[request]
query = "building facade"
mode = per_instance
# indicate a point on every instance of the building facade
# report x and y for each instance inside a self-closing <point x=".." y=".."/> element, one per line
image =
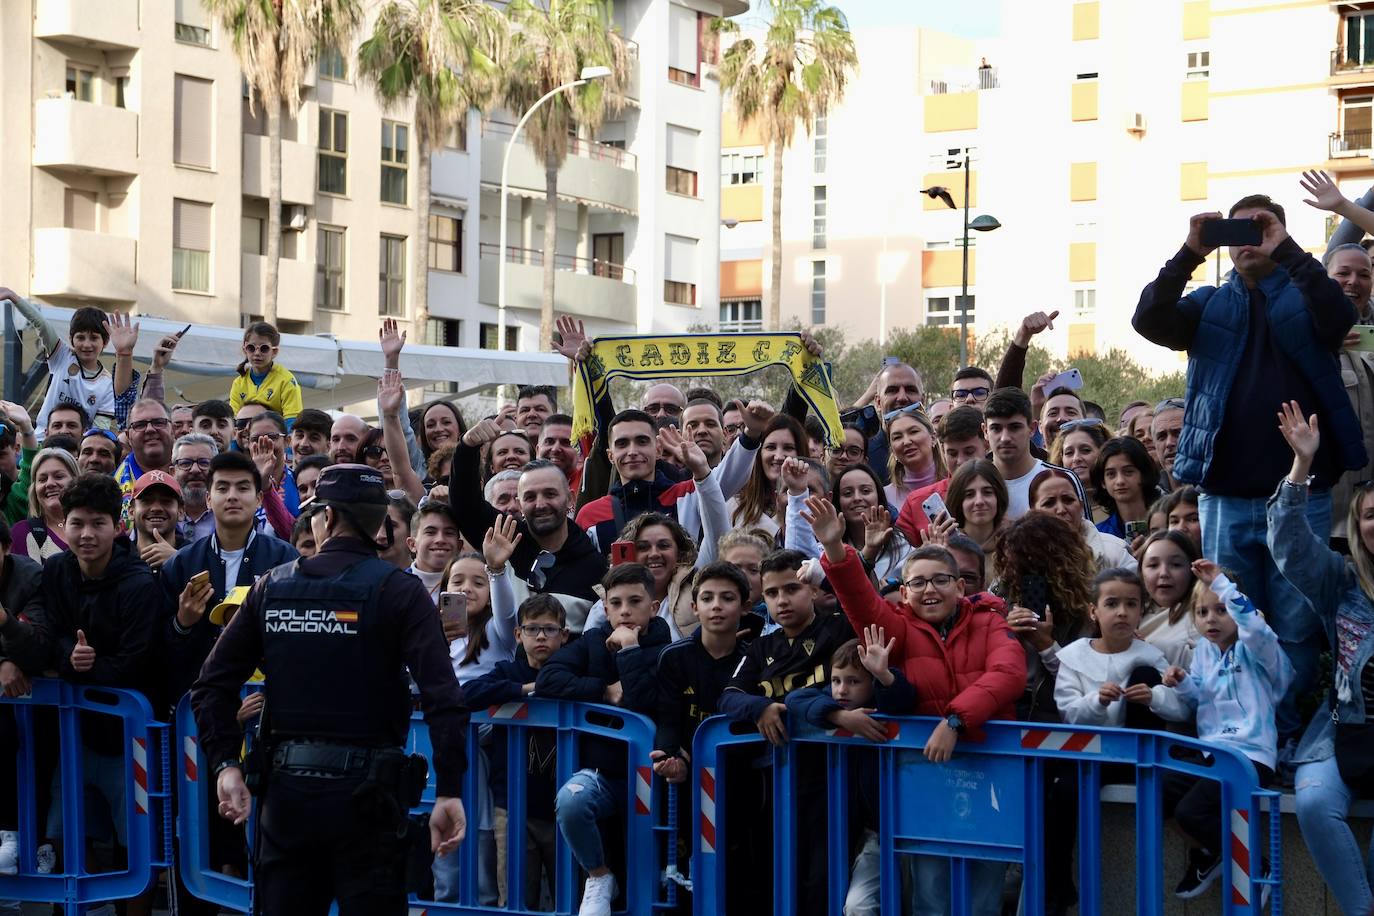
<point x="136" y="179"/>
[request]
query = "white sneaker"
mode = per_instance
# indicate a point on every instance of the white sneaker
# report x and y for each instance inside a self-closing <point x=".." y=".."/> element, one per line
<point x="597" y="896"/>
<point x="47" y="859"/>
<point x="9" y="852"/>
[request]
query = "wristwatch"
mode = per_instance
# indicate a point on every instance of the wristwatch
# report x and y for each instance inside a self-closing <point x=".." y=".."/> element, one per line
<point x="236" y="764"/>
<point x="955" y="723"/>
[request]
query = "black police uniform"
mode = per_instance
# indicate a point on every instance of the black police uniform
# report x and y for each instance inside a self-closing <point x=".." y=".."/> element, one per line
<point x="335" y="635"/>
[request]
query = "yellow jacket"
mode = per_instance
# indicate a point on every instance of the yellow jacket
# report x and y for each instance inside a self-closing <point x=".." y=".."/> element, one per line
<point x="279" y="391"/>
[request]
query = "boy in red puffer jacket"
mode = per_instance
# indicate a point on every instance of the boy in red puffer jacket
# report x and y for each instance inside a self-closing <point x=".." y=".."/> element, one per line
<point x="965" y="662"/>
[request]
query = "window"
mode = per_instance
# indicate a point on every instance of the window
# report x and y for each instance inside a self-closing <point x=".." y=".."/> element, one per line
<point x="818" y="216"/>
<point x="943" y="311"/>
<point x="1199" y="63"/>
<point x="820" y="138"/>
<point x="445" y="243"/>
<point x="395" y="161"/>
<point x="1086" y="76"/>
<point x="442" y="332"/>
<point x="1356" y="123"/>
<point x="952" y="159"/>
<point x="489" y="338"/>
<point x="1359" y="41"/>
<point x="121" y="87"/>
<point x="740" y="168"/>
<point x="682" y="160"/>
<point x="680" y="270"/>
<point x="457" y="136"/>
<point x="193" y="121"/>
<point x="391" y="290"/>
<point x="191" y="227"/>
<point x="333" y="155"/>
<point x="818" y="292"/>
<point x="251" y="235"/>
<point x="329" y="269"/>
<point x="608" y="255"/>
<point x="684" y="46"/>
<point x="1084" y="303"/>
<point x="332" y="65"/>
<point x="192" y="22"/>
<point x="741" y="316"/>
<point x="79" y="209"/>
<point x="80" y="83"/>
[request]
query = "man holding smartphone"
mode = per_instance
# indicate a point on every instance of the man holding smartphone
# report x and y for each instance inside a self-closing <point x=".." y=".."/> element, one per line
<point x="1268" y="335"/>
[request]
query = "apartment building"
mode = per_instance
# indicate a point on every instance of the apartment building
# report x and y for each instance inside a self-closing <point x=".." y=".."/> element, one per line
<point x="136" y="179"/>
<point x="1094" y="130"/>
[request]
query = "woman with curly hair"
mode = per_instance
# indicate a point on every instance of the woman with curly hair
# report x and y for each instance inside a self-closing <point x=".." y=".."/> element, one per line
<point x="756" y="504"/>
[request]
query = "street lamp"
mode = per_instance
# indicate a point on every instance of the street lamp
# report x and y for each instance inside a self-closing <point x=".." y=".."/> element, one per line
<point x="982" y="223"/>
<point x="588" y="74"/>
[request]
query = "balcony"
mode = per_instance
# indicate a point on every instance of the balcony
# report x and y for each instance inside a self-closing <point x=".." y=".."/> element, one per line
<point x="585" y="287"/>
<point x="84" y="265"/>
<point x="85" y="137"/>
<point x="963" y="81"/>
<point x="1350" y="69"/>
<point x="297" y="169"/>
<point x="107" y="24"/>
<point x="595" y="174"/>
<point x="1351" y="144"/>
<point x="295" y="287"/>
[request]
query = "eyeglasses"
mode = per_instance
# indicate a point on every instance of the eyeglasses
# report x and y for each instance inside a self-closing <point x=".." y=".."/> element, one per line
<point x="1069" y="426"/>
<point x="259" y="348"/>
<point x="852" y="451"/>
<point x="103" y="433"/>
<point x="271" y="437"/>
<point x="139" y="426"/>
<point x="903" y="411"/>
<point x="970" y="579"/>
<point x="535" y="630"/>
<point x="663" y="407"/>
<point x="374" y="451"/>
<point x="939" y="580"/>
<point x="971" y="394"/>
<point x="185" y="464"/>
<point x="733" y="429"/>
<point x="1169" y="404"/>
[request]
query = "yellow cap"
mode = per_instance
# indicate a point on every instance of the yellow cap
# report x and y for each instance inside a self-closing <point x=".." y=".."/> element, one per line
<point x="231" y="603"/>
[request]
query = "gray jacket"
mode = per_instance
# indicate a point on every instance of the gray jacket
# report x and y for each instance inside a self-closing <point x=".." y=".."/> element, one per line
<point x="1328" y="580"/>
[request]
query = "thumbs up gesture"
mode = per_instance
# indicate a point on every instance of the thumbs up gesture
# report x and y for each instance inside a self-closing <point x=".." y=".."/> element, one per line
<point x="157" y="551"/>
<point x="83" y="656"/>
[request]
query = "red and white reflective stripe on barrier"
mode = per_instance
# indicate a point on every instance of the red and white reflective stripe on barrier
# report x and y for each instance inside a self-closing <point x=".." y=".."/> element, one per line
<point x="140" y="751"/>
<point x="188" y="756"/>
<point x="644" y="782"/>
<point x="418" y="911"/>
<point x="893" y="730"/>
<point x="1240" y="857"/>
<point x="708" y="809"/>
<point x="1045" y="739"/>
<point x="509" y="711"/>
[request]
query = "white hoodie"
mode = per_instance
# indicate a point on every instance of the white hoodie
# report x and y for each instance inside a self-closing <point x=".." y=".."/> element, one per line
<point x="1083" y="670"/>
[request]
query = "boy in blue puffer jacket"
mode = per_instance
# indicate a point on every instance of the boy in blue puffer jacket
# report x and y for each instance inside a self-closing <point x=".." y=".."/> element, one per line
<point x="1239" y="675"/>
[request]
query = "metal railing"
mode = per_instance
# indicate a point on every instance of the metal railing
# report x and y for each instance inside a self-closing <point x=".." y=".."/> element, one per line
<point x="1341" y="62"/>
<point x="1351" y="143"/>
<point x="583" y="149"/>
<point x="973" y="81"/>
<point x="590" y="267"/>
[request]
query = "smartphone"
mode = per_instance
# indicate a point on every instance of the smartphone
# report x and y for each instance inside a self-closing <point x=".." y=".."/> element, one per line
<point x="933" y="506"/>
<point x="622" y="552"/>
<point x="1071" y="379"/>
<point x="1219" y="232"/>
<point x="1366" y="332"/>
<point x="453" y="610"/>
<point x="1135" y="529"/>
<point x="182" y="332"/>
<point x="891" y="361"/>
<point x="1035" y="594"/>
<point x="200" y="578"/>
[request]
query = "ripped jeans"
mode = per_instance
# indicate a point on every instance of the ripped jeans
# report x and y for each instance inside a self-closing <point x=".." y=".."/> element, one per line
<point x="584" y="799"/>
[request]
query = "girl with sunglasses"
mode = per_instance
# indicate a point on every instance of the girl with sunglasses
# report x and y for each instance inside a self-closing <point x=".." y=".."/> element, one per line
<point x="260" y="378"/>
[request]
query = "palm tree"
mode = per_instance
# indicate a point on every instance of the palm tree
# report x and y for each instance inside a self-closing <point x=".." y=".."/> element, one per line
<point x="276" y="41"/>
<point x="441" y="53"/>
<point x="797" y="74"/>
<point x="549" y="47"/>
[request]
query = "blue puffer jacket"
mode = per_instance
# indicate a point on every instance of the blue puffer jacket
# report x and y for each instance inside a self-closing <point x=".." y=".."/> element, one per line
<point x="1221" y="316"/>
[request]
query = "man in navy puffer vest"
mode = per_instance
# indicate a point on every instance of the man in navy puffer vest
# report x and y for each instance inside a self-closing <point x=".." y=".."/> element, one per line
<point x="1269" y="335"/>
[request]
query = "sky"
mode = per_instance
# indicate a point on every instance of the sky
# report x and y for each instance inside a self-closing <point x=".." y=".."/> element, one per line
<point x="966" y="18"/>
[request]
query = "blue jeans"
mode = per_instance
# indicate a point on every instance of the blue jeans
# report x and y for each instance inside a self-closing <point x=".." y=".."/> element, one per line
<point x="446" y="869"/>
<point x="1323" y="801"/>
<point x="584" y="799"/>
<point x="1234" y="532"/>
<point x="930" y="886"/>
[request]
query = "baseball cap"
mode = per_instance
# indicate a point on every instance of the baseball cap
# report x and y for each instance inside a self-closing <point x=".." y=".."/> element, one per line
<point x="220" y="614"/>
<point x="156" y="479"/>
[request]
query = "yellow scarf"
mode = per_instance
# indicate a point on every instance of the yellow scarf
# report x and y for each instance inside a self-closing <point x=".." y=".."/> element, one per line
<point x="694" y="355"/>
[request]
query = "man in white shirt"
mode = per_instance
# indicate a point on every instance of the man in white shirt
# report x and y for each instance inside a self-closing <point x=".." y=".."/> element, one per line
<point x="1008" y="419"/>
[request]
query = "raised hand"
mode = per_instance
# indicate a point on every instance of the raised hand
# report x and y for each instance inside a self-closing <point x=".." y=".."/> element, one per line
<point x="826" y="523"/>
<point x="813" y="346"/>
<point x="1205" y="570"/>
<point x="269" y="461"/>
<point x="500" y="541"/>
<point x="685" y="452"/>
<point x="939" y="531"/>
<point x="1272" y="232"/>
<point x="1033" y="324"/>
<point x="162" y="353"/>
<point x="795" y="473"/>
<point x="1325" y="194"/>
<point x="505" y="418"/>
<point x="1194" y="242"/>
<point x="756" y="415"/>
<point x="17" y="416"/>
<point x="876" y="650"/>
<point x="83" y="656"/>
<point x="1302" y="435"/>
<point x="482" y="432"/>
<point x="877" y="527"/>
<point x="391" y="393"/>
<point x="574" y="337"/>
<point x="392" y="340"/>
<point x="123" y="332"/>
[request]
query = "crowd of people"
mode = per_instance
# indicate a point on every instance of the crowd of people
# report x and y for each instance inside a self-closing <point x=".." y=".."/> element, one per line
<point x="1000" y="550"/>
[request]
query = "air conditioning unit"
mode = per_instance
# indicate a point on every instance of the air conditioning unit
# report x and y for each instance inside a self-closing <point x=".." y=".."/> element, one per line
<point x="1135" y="124"/>
<point x="294" y="217"/>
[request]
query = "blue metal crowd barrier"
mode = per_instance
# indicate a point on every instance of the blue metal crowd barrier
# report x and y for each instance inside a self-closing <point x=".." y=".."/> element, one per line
<point x="146" y="809"/>
<point x="987" y="803"/>
<point x="645" y="857"/>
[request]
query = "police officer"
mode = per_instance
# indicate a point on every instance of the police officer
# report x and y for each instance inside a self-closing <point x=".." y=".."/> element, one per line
<point x="335" y="634"/>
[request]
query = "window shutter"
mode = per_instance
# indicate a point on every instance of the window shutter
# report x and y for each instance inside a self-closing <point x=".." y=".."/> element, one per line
<point x="682" y="38"/>
<point x="682" y="148"/>
<point x="192" y="12"/>
<point x="192" y="125"/>
<point x="191" y="227"/>
<point x="680" y="256"/>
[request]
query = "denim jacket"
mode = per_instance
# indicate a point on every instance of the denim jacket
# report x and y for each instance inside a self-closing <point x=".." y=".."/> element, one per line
<point x="1328" y="580"/>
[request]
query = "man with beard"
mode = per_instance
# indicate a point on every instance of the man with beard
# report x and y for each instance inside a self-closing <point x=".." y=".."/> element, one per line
<point x="554" y="556"/>
<point x="155" y="510"/>
<point x="216" y="420"/>
<point x="556" y="445"/>
<point x="191" y="465"/>
<point x="310" y="434"/>
<point x="100" y="452"/>
<point x="344" y="438"/>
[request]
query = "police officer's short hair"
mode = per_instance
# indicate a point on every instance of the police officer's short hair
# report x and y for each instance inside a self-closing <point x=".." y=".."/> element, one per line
<point x="542" y="605"/>
<point x="628" y="574"/>
<point x="722" y="570"/>
<point x="234" y="461"/>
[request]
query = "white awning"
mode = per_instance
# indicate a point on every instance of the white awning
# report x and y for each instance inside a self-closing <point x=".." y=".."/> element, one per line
<point x="332" y="373"/>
